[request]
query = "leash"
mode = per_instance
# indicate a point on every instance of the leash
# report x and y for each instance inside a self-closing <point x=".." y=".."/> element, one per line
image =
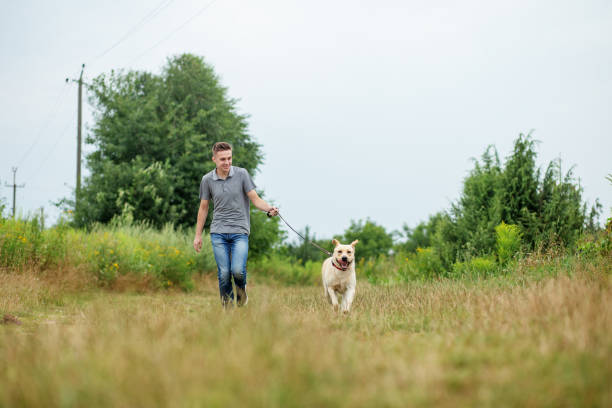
<point x="325" y="251"/>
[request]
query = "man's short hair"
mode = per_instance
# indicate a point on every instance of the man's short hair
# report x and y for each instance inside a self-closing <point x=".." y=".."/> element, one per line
<point x="220" y="146"/>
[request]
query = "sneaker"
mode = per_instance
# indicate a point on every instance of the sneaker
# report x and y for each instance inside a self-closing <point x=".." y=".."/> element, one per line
<point x="227" y="302"/>
<point x="241" y="297"/>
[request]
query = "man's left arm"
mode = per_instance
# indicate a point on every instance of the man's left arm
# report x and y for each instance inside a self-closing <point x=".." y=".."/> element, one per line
<point x="261" y="204"/>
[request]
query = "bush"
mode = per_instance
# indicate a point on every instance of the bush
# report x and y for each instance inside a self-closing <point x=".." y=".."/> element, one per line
<point x="548" y="208"/>
<point x="508" y="240"/>
<point x="478" y="267"/>
<point x="287" y="270"/>
<point x="381" y="270"/>
<point x="265" y="233"/>
<point x="163" y="257"/>
<point x="24" y="243"/>
<point x="596" y="244"/>
<point x="166" y="256"/>
<point x="422" y="265"/>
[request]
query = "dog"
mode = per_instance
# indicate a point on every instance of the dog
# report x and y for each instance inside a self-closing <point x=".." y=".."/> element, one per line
<point x="339" y="276"/>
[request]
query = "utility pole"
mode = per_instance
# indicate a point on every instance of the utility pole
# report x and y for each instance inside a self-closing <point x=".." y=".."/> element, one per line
<point x="79" y="138"/>
<point x="14" y="185"/>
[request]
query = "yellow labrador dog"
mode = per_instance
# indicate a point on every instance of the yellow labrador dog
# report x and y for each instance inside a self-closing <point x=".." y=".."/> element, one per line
<point x="339" y="276"/>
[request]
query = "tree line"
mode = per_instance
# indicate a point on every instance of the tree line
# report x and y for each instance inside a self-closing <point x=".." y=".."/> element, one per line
<point x="152" y="136"/>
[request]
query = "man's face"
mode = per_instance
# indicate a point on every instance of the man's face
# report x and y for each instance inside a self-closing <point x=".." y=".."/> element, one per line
<point x="223" y="160"/>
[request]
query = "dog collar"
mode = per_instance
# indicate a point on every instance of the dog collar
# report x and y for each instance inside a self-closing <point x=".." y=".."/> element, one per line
<point x="339" y="268"/>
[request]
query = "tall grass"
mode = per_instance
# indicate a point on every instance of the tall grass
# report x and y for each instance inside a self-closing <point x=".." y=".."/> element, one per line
<point x="117" y="255"/>
<point x="500" y="342"/>
<point x="165" y="255"/>
<point x="535" y="332"/>
<point x="112" y="253"/>
<point x="24" y="243"/>
<point x="286" y="270"/>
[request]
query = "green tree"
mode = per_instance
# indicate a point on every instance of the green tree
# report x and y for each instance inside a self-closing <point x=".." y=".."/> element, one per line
<point x="303" y="249"/>
<point x="546" y="209"/>
<point x="520" y="184"/>
<point x="265" y="233"/>
<point x="420" y="236"/>
<point x="562" y="215"/>
<point x="468" y="228"/>
<point x="479" y="208"/>
<point x="143" y="191"/>
<point x="152" y="137"/>
<point x="373" y="239"/>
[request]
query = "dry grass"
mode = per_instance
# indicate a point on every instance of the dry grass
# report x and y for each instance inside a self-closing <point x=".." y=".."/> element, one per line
<point x="495" y="343"/>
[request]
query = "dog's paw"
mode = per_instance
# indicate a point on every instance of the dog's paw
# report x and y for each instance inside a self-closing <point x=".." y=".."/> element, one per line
<point x="345" y="312"/>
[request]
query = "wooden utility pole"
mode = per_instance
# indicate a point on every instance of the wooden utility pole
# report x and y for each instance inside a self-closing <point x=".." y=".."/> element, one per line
<point x="79" y="138"/>
<point x="15" y="186"/>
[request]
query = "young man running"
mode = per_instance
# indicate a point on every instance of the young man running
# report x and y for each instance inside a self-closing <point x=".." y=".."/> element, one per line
<point x="230" y="189"/>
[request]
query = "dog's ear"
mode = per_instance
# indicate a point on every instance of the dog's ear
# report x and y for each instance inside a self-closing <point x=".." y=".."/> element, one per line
<point x="354" y="243"/>
<point x="335" y="242"/>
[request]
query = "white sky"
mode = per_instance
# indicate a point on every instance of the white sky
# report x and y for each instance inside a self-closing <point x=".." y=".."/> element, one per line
<point x="364" y="108"/>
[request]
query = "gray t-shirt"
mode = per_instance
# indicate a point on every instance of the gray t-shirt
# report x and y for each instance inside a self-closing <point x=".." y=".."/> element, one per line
<point x="230" y="201"/>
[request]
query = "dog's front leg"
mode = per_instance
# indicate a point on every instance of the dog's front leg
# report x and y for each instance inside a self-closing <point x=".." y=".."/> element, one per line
<point x="326" y="293"/>
<point x="347" y="299"/>
<point x="333" y="297"/>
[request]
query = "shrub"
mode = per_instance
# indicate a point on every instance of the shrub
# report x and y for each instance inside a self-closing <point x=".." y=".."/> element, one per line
<point x="286" y="270"/>
<point x="167" y="255"/>
<point x="478" y="267"/>
<point x="25" y="243"/>
<point x="548" y="207"/>
<point x="265" y="233"/>
<point x="596" y="244"/>
<point x="424" y="264"/>
<point x="164" y="257"/>
<point x="508" y="242"/>
<point x="381" y="270"/>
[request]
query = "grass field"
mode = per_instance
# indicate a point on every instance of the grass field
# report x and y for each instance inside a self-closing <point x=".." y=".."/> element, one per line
<point x="511" y="341"/>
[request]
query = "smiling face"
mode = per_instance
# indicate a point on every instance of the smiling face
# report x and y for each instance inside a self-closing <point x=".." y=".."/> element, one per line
<point x="223" y="160"/>
<point x="344" y="255"/>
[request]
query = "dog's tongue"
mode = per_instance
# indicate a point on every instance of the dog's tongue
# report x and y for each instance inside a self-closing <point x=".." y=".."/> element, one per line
<point x="344" y="264"/>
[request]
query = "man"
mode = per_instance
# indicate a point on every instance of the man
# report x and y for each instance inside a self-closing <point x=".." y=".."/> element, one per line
<point x="230" y="189"/>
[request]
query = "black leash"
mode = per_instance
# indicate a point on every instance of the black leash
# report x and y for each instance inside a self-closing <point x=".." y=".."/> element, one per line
<point x="325" y="251"/>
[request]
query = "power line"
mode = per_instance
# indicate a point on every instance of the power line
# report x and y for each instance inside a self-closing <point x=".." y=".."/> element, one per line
<point x="50" y="151"/>
<point x="156" y="10"/>
<point x="174" y="31"/>
<point x="58" y="104"/>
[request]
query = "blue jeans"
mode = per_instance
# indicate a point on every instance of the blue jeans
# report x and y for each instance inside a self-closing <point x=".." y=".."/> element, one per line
<point x="231" y="251"/>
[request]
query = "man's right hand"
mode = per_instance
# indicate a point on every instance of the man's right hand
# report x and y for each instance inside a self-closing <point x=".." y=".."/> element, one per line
<point x="197" y="243"/>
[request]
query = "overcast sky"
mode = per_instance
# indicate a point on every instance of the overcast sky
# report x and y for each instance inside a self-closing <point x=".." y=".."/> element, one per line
<point x="364" y="109"/>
